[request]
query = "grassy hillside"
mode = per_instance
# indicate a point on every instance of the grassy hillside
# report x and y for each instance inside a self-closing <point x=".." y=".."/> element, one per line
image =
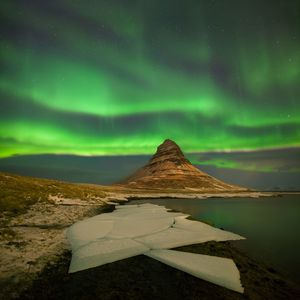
<point x="17" y="193"/>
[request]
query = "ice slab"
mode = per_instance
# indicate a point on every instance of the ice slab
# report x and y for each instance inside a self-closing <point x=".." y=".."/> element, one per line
<point x="106" y="217"/>
<point x="127" y="206"/>
<point x="112" y="203"/>
<point x="158" y="214"/>
<point x="171" y="238"/>
<point x="104" y="251"/>
<point x="140" y="211"/>
<point x="136" y="212"/>
<point x="150" y="206"/>
<point x="83" y="232"/>
<point x="218" y="270"/>
<point x="211" y="233"/>
<point x="145" y="212"/>
<point x="141" y="206"/>
<point x="131" y="228"/>
<point x="135" y="229"/>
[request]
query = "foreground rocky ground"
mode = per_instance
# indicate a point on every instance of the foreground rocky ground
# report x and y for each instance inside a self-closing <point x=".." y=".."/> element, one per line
<point x="141" y="277"/>
<point x="35" y="262"/>
<point x="35" y="255"/>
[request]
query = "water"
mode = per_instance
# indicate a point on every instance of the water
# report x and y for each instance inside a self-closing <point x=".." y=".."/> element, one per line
<point x="271" y="225"/>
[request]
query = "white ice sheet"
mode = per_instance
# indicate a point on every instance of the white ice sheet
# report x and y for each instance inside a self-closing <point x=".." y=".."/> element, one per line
<point x="218" y="270"/>
<point x="206" y="231"/>
<point x="104" y="251"/>
<point x="146" y="214"/>
<point x="132" y="228"/>
<point x="135" y="229"/>
<point x="171" y="238"/>
<point x="137" y="212"/>
<point x="128" y="206"/>
<point x="83" y="232"/>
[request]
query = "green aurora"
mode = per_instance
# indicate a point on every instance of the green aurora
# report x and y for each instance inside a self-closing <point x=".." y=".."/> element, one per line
<point x="118" y="77"/>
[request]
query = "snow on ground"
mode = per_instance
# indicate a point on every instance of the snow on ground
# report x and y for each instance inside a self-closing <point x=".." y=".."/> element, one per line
<point x="35" y="238"/>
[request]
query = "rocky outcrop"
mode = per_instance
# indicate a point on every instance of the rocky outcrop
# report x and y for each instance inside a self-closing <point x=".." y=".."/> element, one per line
<point x="169" y="169"/>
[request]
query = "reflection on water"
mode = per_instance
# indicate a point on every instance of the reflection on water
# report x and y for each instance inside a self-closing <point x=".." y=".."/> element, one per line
<point x="271" y="225"/>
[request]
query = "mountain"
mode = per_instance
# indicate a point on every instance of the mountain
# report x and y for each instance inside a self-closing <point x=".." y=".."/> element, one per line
<point x="169" y="169"/>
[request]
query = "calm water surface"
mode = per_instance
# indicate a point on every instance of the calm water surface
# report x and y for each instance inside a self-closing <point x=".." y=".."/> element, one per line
<point x="271" y="225"/>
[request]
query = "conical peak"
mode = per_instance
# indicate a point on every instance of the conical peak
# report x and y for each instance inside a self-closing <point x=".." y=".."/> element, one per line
<point x="168" y="141"/>
<point x="168" y="145"/>
<point x="168" y="168"/>
<point x="168" y="149"/>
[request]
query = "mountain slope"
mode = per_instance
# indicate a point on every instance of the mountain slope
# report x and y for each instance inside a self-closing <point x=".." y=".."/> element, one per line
<point x="168" y="168"/>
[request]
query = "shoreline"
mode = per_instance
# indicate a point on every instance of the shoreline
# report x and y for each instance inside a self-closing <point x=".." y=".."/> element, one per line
<point x="127" y="196"/>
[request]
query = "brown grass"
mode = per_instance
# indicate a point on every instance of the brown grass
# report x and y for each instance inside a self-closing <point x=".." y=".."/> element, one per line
<point x="17" y="193"/>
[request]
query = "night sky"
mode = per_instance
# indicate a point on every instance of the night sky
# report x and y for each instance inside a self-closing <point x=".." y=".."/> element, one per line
<point x="118" y="77"/>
